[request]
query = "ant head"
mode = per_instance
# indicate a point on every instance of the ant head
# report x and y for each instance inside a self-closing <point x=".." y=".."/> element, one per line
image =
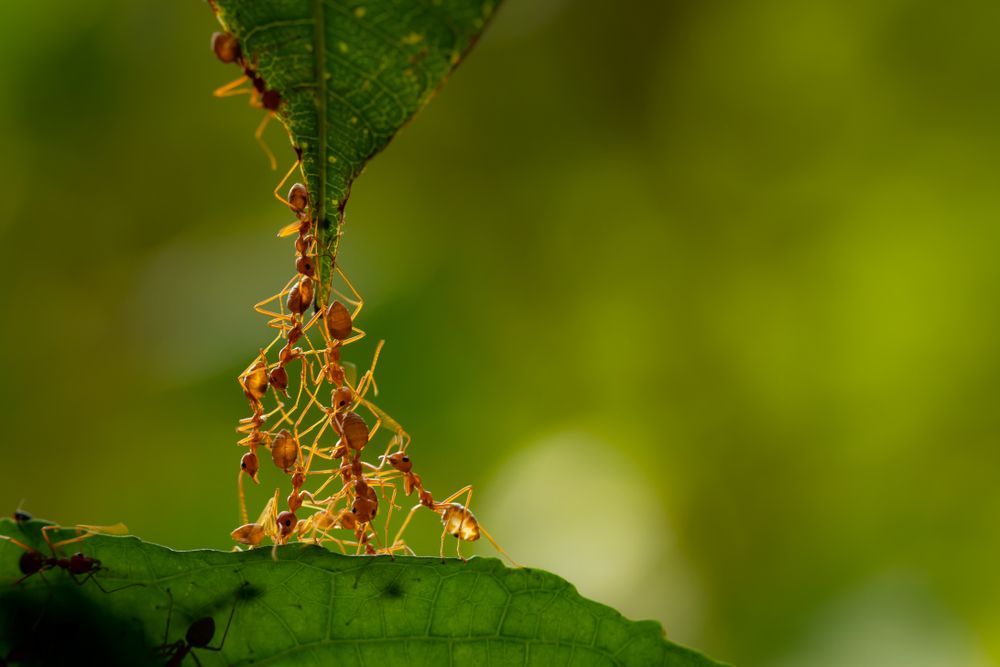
<point x="342" y="397"/>
<point x="286" y="523"/>
<point x="298" y="197"/>
<point x="21" y="516"/>
<point x="365" y="508"/>
<point x="31" y="562"/>
<point x="400" y="461"/>
<point x="250" y="465"/>
<point x="278" y="378"/>
<point x="80" y="564"/>
<point x="201" y="632"/>
<point x="304" y="265"/>
<point x="226" y="47"/>
<point x="271" y="99"/>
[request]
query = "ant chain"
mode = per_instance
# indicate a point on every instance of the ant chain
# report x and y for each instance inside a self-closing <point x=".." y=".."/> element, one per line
<point x="309" y="411"/>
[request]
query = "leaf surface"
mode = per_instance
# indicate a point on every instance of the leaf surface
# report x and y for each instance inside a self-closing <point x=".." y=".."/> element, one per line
<point x="350" y="74"/>
<point x="314" y="607"/>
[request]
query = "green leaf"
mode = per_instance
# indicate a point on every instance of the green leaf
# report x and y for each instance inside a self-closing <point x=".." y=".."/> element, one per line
<point x="350" y="74"/>
<point x="308" y="606"/>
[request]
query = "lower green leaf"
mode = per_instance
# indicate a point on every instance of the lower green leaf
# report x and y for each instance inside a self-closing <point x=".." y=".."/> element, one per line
<point x="300" y="605"/>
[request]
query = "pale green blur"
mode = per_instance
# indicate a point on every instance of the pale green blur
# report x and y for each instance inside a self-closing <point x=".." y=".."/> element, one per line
<point x="701" y="297"/>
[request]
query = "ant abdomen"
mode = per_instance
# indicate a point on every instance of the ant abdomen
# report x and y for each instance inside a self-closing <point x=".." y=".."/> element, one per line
<point x="254" y="381"/>
<point x="460" y="522"/>
<point x="354" y="430"/>
<point x="301" y="295"/>
<point x="251" y="534"/>
<point x="201" y="632"/>
<point x="284" y="450"/>
<point x="298" y="197"/>
<point x="226" y="47"/>
<point x="338" y="321"/>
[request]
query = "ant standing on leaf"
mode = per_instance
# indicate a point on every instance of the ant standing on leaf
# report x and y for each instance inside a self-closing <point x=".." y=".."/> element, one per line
<point x="34" y="562"/>
<point x="458" y="519"/>
<point x="198" y="635"/>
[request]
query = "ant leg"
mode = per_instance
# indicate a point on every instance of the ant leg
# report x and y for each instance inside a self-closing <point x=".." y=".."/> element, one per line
<point x="244" y="517"/>
<point x="446" y="501"/>
<point x="226" y="631"/>
<point x="360" y="302"/>
<point x="443" y="533"/>
<point x="230" y="88"/>
<point x="194" y="656"/>
<point x="259" y="306"/>
<point x="406" y="523"/>
<point x="277" y="190"/>
<point x="290" y="228"/>
<point x="91" y="577"/>
<point x="259" y="136"/>
<point x="368" y="379"/>
<point x="17" y="542"/>
<point x="498" y="547"/>
<point x="82" y="534"/>
<point x="170" y="611"/>
<point x="388" y="516"/>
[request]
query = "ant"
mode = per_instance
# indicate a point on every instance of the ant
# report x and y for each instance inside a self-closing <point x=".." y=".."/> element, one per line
<point x="34" y="562"/>
<point x="458" y="519"/>
<point x="227" y="49"/>
<point x="198" y="635"/>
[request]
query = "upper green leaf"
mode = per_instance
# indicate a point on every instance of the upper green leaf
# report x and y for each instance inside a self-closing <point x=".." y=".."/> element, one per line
<point x="350" y="74"/>
<point x="308" y="606"/>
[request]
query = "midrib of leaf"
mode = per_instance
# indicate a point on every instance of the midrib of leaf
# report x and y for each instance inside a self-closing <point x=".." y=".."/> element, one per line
<point x="319" y="30"/>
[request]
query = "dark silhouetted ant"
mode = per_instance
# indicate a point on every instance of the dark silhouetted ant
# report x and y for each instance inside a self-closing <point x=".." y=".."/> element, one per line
<point x="34" y="562"/>
<point x="198" y="635"/>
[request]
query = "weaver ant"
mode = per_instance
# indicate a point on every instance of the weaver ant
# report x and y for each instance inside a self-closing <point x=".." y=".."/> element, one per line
<point x="34" y="562"/>
<point x="458" y="519"/>
<point x="227" y="49"/>
<point x="198" y="635"/>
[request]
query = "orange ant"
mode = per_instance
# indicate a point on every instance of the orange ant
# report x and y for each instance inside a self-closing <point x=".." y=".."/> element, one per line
<point x="198" y="635"/>
<point x="278" y="526"/>
<point x="227" y="49"/>
<point x="458" y="519"/>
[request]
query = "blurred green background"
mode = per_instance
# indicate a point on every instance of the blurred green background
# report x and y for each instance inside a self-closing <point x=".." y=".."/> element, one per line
<point x="702" y="297"/>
